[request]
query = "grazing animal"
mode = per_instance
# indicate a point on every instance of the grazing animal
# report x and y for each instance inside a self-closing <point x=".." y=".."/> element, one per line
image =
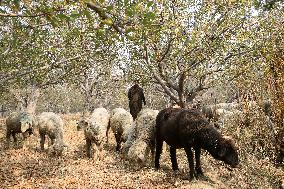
<point x="214" y="112"/>
<point x="51" y="124"/>
<point x="141" y="137"/>
<point x="209" y="113"/>
<point x="267" y="108"/>
<point x="135" y="96"/>
<point x="95" y="129"/>
<point x="120" y="122"/>
<point x="280" y="146"/>
<point x="184" y="128"/>
<point x="19" y="122"/>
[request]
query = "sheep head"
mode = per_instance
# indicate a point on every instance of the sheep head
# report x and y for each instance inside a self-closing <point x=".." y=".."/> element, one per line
<point x="82" y="123"/>
<point x="26" y="126"/>
<point x="227" y="152"/>
<point x="26" y="129"/>
<point x="138" y="151"/>
<point x="56" y="149"/>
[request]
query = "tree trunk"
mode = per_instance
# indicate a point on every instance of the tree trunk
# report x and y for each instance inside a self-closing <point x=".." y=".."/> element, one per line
<point x="32" y="100"/>
<point x="26" y="99"/>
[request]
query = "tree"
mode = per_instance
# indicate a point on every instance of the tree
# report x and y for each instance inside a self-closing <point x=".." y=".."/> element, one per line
<point x="184" y="47"/>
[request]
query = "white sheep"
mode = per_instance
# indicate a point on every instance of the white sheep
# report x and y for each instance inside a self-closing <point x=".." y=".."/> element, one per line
<point x="51" y="124"/>
<point x="95" y="129"/>
<point x="141" y="137"/>
<point x="226" y="117"/>
<point x="227" y="106"/>
<point x="120" y="123"/>
<point x="19" y="122"/>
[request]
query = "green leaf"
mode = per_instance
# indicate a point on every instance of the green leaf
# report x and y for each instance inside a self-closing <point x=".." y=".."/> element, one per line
<point x="107" y="21"/>
<point x="109" y="8"/>
<point x="16" y="6"/>
<point x="88" y="14"/>
<point x="150" y="15"/>
<point x="130" y="12"/>
<point x="63" y="17"/>
<point x="126" y="2"/>
<point x="75" y="14"/>
<point x="149" y="4"/>
<point x="52" y="20"/>
<point x="100" y="32"/>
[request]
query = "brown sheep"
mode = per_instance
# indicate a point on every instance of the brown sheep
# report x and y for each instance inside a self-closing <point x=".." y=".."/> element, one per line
<point x="184" y="128"/>
<point x="280" y="147"/>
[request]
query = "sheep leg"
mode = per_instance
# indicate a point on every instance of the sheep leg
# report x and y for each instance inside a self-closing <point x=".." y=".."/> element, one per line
<point x="198" y="168"/>
<point x="159" y="146"/>
<point x="108" y="127"/>
<point x="152" y="148"/>
<point x="118" y="140"/>
<point x="173" y="158"/>
<point x="14" y="137"/>
<point x="189" y="155"/>
<point x="100" y="152"/>
<point x="88" y="147"/>
<point x="52" y="141"/>
<point x="42" y="141"/>
<point x="8" y="137"/>
<point x="25" y="135"/>
<point x="279" y="158"/>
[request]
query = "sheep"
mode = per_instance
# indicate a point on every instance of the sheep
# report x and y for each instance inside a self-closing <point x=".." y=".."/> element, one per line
<point x="187" y="128"/>
<point x="51" y="124"/>
<point x="279" y="147"/>
<point x="226" y="117"/>
<point x="214" y="112"/>
<point x="208" y="111"/>
<point x="95" y="129"/>
<point x="131" y="137"/>
<point x="19" y="122"/>
<point x="120" y="122"/>
<point x="228" y="106"/>
<point x="141" y="137"/>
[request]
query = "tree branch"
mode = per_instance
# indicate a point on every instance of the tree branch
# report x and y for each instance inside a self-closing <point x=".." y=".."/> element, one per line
<point x="166" y="89"/>
<point x="156" y="76"/>
<point x="20" y="73"/>
<point x="169" y="83"/>
<point x="31" y="16"/>
<point x="181" y="88"/>
<point x="166" y="51"/>
<point x="103" y="15"/>
<point x="20" y="15"/>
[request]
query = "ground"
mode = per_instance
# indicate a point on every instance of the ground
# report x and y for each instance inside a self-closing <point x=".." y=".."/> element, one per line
<point x="25" y="166"/>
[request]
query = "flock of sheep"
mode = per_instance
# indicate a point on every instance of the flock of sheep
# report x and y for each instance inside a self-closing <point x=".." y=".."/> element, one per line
<point x="135" y="138"/>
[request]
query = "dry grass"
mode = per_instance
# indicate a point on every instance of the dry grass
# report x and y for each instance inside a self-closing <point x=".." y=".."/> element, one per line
<point x="27" y="167"/>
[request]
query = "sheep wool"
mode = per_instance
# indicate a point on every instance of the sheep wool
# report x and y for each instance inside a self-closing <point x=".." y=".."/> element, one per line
<point x="98" y="123"/>
<point x="142" y="137"/>
<point x="95" y="128"/>
<point x="187" y="129"/>
<point x="121" y="122"/>
<point x="19" y="122"/>
<point x="51" y="124"/>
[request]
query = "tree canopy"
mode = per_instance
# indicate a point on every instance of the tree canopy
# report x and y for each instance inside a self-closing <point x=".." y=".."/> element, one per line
<point x="184" y="48"/>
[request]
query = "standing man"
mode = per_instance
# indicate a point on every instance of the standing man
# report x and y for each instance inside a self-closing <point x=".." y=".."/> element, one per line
<point x="135" y="96"/>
